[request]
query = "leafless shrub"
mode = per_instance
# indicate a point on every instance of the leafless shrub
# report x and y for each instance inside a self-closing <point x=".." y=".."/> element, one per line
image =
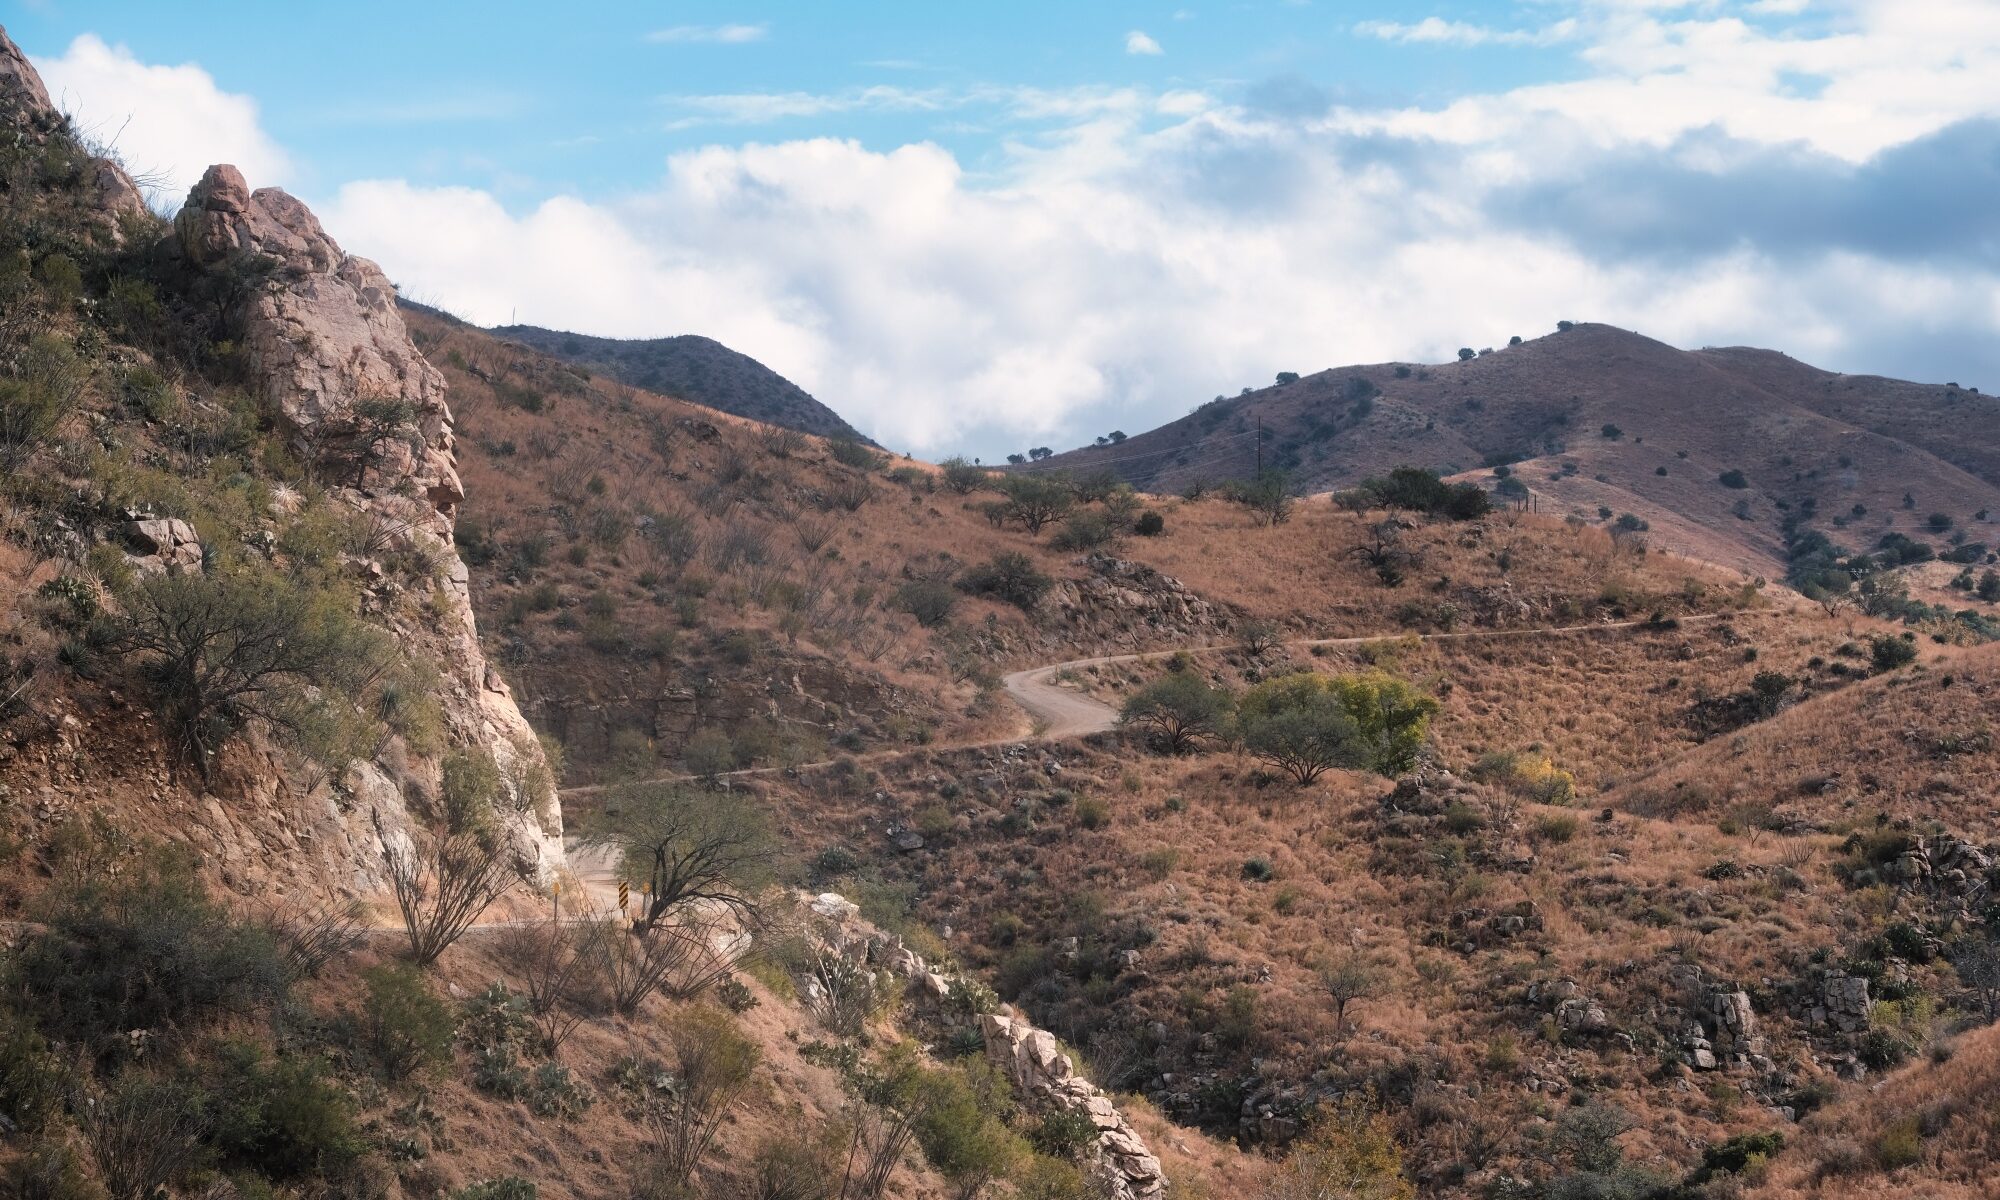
<point x="814" y="533"/>
<point x="780" y="442"/>
<point x="312" y="935"/>
<point x="546" y="444"/>
<point x="880" y="1137"/>
<point x="442" y="887"/>
<point x="570" y="480"/>
<point x="555" y="964"/>
<point x="876" y="641"/>
<point x="847" y="493"/>
<point x="737" y="546"/>
<point x="143" y="1135"/>
<point x="680" y="961"/>
<point x="713" y="1065"/>
<point x="676" y="535"/>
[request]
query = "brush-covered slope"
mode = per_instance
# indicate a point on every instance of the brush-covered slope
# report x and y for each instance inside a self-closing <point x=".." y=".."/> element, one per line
<point x="1594" y="419"/>
<point x="693" y="368"/>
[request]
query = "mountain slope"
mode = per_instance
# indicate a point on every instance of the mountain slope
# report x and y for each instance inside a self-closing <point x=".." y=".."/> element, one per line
<point x="692" y="368"/>
<point x="1596" y="418"/>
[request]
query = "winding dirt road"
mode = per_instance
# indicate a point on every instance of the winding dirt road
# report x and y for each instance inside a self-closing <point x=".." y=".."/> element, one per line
<point x="1059" y="713"/>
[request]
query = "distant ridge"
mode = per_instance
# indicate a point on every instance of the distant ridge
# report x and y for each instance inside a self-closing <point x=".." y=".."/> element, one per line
<point x="1594" y="419"/>
<point x="697" y="369"/>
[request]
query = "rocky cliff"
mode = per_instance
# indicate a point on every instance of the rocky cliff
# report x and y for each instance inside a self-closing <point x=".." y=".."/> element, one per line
<point x="336" y="370"/>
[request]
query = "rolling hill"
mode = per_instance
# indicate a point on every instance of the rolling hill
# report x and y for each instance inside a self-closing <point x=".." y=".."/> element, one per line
<point x="1596" y="421"/>
<point x="697" y="369"/>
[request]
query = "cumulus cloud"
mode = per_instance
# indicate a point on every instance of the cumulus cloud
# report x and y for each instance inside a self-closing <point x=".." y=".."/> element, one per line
<point x="1127" y="253"/>
<point x="168" y="123"/>
<point x="1138" y="42"/>
<point x="717" y="35"/>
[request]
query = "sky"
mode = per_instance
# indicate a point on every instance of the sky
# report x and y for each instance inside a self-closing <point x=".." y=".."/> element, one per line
<point x="972" y="228"/>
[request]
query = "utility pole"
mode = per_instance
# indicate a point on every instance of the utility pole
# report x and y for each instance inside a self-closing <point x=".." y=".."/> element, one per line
<point x="1260" y="443"/>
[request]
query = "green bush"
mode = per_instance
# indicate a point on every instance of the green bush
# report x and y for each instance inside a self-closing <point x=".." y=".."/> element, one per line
<point x="284" y="1118"/>
<point x="1733" y="478"/>
<point x="404" y="1027"/>
<point x="32" y="1078"/>
<point x="45" y="387"/>
<point x="146" y="950"/>
<point x="1010" y="577"/>
<point x="930" y="601"/>
<point x="1063" y="1135"/>
<point x="1150" y="524"/>
<point x="48" y="1170"/>
<point x="1087" y="530"/>
<point x="1889" y="651"/>
<point x="1418" y="490"/>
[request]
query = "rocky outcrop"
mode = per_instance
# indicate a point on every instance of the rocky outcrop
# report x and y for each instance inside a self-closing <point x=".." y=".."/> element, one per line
<point x="21" y="90"/>
<point x="161" y="546"/>
<point x="1035" y="1062"/>
<point x="1120" y="1164"/>
<point x="336" y="369"/>
<point x="1120" y="600"/>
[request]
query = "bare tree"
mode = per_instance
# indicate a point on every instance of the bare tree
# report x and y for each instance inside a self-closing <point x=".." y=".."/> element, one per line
<point x="553" y="960"/>
<point x="443" y="887"/>
<point x="1347" y="977"/>
<point x="313" y="934"/>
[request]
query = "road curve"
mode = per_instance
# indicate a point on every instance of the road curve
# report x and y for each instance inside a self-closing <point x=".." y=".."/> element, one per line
<point x="1060" y="713"/>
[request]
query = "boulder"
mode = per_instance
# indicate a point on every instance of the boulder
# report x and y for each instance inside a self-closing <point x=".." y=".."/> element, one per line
<point x="162" y="545"/>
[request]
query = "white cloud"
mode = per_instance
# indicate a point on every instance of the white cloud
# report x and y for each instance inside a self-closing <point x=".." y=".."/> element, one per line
<point x="1438" y="31"/>
<point x="1138" y="42"/>
<point x="719" y="35"/>
<point x="168" y="124"/>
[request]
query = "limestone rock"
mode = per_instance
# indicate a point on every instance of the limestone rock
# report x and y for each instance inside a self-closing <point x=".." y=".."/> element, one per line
<point x="162" y="545"/>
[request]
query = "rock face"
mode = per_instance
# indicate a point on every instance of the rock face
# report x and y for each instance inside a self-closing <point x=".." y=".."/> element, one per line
<point x="162" y="546"/>
<point x="337" y="370"/>
<point x="327" y="340"/>
<point x="1121" y="1164"/>
<point x="25" y="104"/>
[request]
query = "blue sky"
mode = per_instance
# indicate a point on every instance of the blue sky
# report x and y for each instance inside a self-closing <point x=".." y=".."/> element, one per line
<point x="972" y="227"/>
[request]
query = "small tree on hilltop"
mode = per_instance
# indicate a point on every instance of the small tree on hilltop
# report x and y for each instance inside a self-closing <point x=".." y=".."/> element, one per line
<point x="1179" y="709"/>
<point x="963" y="477"/>
<point x="1037" y="500"/>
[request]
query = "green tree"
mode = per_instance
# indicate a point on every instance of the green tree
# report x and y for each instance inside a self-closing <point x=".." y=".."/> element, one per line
<point x="1297" y="724"/>
<point x="1269" y="495"/>
<point x="1037" y="500"/>
<point x="1391" y="715"/>
<point x="1180" y="709"/>
<point x="963" y="477"/>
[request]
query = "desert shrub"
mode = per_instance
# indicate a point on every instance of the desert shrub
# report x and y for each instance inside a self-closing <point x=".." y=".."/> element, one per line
<point x="507" y="1187"/>
<point x="1092" y="813"/>
<point x="48" y="1169"/>
<point x="792" y="1166"/>
<point x="930" y="601"/>
<point x="495" y="1028"/>
<point x="1417" y="490"/>
<point x="961" y="1126"/>
<point x="1733" y="478"/>
<point x="714" y="1063"/>
<point x="1535" y="777"/>
<point x="1900" y="1144"/>
<point x="963" y="477"/>
<point x="285" y="1118"/>
<point x="1009" y="576"/>
<point x="1149" y="524"/>
<point x="1086" y="530"/>
<point x="226" y="647"/>
<point x="850" y="453"/>
<point x="552" y="1091"/>
<point x="443" y="884"/>
<point x="1557" y="827"/>
<point x="1347" y="1151"/>
<point x="32" y="1077"/>
<point x="1889" y="651"/>
<point x="1157" y="863"/>
<point x="402" y="1025"/>
<point x="1259" y="870"/>
<point x="1035" y="501"/>
<point x="143" y="950"/>
<point x="46" y="385"/>
<point x="144" y="1134"/>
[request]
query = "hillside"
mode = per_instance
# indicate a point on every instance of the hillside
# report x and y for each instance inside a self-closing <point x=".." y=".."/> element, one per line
<point x="1597" y="422"/>
<point x="431" y="769"/>
<point x="692" y="368"/>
